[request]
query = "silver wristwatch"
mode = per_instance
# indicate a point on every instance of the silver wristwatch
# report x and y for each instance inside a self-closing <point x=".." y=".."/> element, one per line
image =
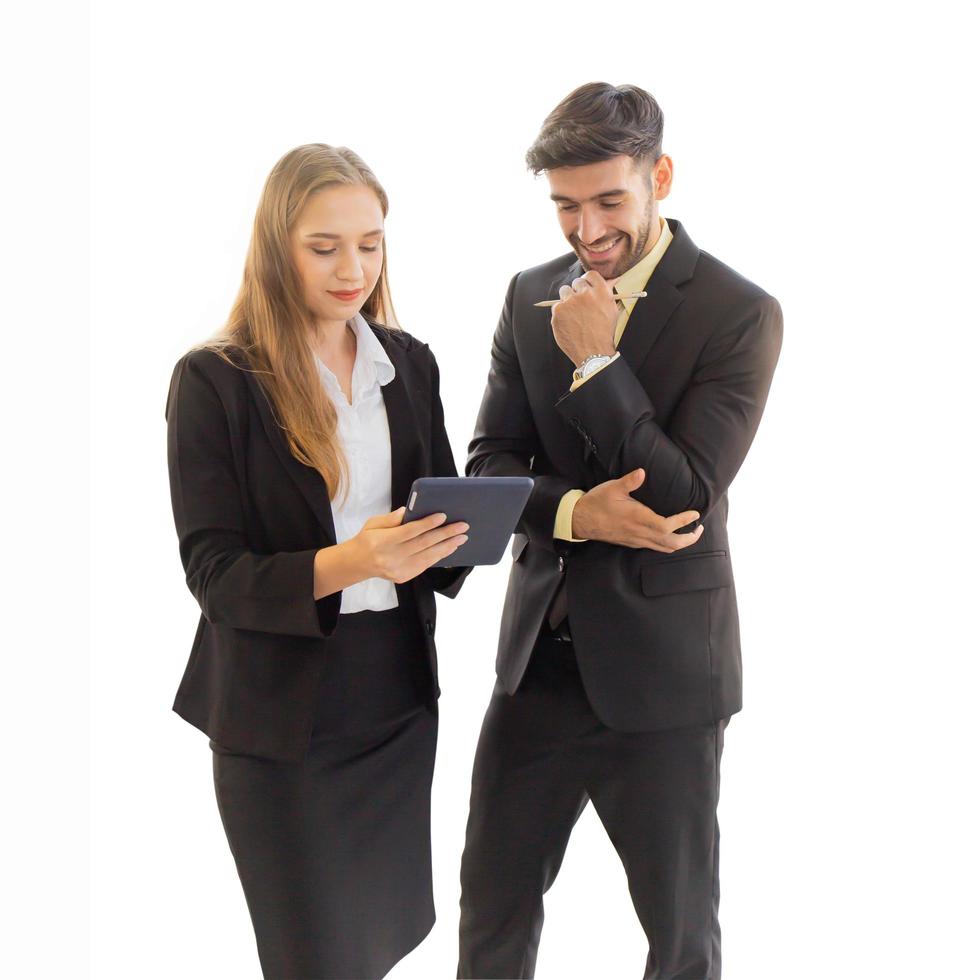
<point x="591" y="364"/>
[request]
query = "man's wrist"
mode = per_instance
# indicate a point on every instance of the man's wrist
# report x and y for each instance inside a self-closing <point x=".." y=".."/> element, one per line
<point x="578" y="520"/>
<point x="590" y="366"/>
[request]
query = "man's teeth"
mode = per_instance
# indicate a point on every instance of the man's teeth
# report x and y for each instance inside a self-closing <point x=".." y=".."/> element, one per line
<point x="605" y="248"/>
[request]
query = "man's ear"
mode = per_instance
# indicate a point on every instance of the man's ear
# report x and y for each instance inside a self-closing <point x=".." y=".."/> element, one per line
<point x="662" y="174"/>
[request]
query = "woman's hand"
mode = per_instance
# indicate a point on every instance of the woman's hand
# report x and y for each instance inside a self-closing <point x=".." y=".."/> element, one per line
<point x="399" y="552"/>
<point x="386" y="548"/>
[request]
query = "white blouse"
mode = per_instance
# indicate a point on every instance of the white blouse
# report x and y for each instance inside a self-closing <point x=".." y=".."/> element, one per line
<point x="366" y="441"/>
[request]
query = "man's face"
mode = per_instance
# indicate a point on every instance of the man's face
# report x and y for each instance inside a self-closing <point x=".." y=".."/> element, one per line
<point x="608" y="210"/>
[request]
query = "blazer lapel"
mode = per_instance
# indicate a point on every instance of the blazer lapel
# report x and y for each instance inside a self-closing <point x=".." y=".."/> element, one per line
<point x="308" y="479"/>
<point x="407" y="448"/>
<point x="645" y="323"/>
<point x="652" y="312"/>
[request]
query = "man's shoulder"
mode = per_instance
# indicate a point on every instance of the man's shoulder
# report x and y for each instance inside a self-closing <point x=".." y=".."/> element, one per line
<point x="546" y="272"/>
<point x="712" y="276"/>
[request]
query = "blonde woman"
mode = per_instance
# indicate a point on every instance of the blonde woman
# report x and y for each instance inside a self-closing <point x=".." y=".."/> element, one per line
<point x="294" y="437"/>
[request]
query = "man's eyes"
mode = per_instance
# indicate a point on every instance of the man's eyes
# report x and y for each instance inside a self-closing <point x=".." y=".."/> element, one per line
<point x="573" y="207"/>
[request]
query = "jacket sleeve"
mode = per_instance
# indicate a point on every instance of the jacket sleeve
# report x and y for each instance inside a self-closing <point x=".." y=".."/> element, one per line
<point x="447" y="581"/>
<point x="691" y="464"/>
<point x="505" y="438"/>
<point x="234" y="586"/>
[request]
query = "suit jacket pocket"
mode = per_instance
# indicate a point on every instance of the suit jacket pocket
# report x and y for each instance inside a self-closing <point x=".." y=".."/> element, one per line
<point x="711" y="570"/>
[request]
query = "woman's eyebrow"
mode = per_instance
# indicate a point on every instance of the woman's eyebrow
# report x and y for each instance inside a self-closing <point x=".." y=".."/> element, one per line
<point x="327" y="234"/>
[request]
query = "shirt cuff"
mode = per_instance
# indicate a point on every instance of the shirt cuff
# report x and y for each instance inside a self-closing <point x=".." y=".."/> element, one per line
<point x="581" y="381"/>
<point x="563" y="525"/>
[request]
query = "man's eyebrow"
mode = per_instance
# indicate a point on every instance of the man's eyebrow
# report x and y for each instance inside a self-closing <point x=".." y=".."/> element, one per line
<point x="595" y="197"/>
<point x="327" y="234"/>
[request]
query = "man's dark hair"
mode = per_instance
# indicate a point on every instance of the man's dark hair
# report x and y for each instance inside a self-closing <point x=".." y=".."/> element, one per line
<point x="596" y="122"/>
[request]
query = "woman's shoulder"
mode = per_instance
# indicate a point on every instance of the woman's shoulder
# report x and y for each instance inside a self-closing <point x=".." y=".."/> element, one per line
<point x="220" y="362"/>
<point x="395" y="337"/>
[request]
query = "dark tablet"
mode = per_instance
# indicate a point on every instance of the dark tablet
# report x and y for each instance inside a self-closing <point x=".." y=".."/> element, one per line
<point x="491" y="505"/>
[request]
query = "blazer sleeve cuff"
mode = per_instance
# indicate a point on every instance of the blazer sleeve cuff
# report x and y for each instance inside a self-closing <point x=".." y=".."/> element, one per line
<point x="606" y="409"/>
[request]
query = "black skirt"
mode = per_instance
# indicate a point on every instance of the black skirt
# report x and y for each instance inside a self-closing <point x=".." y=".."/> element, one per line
<point x="334" y="852"/>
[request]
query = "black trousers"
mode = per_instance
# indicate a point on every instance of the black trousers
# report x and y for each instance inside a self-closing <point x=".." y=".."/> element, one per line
<point x="542" y="756"/>
<point x="334" y="853"/>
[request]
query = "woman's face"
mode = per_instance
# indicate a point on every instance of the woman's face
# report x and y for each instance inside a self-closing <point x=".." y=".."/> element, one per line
<point x="336" y="246"/>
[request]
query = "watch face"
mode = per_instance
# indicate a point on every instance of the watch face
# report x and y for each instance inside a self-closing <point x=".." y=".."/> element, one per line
<point x="593" y="363"/>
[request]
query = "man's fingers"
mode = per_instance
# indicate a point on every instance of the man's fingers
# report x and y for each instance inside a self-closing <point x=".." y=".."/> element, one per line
<point x="565" y="291"/>
<point x="680" y="541"/>
<point x="632" y="481"/>
<point x="596" y="281"/>
<point x="681" y="520"/>
<point x="643" y="537"/>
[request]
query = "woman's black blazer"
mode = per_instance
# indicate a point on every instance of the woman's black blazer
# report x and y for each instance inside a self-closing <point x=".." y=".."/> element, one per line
<point x="250" y="518"/>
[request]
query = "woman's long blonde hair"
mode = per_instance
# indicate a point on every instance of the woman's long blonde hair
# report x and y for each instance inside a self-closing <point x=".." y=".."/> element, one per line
<point x="270" y="323"/>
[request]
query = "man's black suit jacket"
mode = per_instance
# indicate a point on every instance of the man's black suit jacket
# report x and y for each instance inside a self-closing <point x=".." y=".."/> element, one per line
<point x="250" y="518"/>
<point x="656" y="636"/>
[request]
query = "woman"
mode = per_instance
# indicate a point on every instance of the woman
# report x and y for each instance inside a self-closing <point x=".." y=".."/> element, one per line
<point x="294" y="438"/>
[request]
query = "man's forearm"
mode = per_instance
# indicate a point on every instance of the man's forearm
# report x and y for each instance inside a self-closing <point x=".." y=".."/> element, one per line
<point x="690" y="465"/>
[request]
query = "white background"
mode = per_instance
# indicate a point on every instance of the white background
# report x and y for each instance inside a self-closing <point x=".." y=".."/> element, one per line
<point x="808" y="155"/>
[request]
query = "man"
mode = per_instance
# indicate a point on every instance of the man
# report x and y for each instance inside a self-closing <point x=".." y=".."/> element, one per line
<point x="618" y="663"/>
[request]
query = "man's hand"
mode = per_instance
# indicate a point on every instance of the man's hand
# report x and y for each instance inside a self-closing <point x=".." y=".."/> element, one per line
<point x="584" y="321"/>
<point x="608" y="513"/>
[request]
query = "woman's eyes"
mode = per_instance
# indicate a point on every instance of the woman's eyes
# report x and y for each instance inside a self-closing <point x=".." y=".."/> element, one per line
<point x="331" y="251"/>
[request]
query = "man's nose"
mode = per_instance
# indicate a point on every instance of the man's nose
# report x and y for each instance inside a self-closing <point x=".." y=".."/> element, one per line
<point x="590" y="227"/>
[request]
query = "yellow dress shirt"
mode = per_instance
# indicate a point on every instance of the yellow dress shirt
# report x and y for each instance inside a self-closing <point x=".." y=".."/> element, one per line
<point x="632" y="281"/>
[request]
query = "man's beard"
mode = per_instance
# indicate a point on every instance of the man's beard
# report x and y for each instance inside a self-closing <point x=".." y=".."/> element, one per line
<point x="632" y="251"/>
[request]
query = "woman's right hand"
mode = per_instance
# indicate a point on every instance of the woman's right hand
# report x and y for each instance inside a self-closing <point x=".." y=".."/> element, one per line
<point x="399" y="552"/>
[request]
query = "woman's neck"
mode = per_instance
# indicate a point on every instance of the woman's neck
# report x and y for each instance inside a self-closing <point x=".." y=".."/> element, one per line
<point x="333" y="340"/>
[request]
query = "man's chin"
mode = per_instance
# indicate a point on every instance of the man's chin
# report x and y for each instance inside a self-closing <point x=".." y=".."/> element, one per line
<point x="606" y="270"/>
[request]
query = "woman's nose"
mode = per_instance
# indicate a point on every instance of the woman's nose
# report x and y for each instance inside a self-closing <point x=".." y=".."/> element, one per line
<point x="349" y="268"/>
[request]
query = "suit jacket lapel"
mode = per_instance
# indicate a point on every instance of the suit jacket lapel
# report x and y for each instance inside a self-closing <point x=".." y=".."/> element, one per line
<point x="407" y="448"/>
<point x="650" y="314"/>
<point x="308" y="479"/>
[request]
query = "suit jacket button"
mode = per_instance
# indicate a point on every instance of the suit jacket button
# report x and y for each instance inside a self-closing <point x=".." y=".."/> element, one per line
<point x="562" y="563"/>
<point x="429" y="628"/>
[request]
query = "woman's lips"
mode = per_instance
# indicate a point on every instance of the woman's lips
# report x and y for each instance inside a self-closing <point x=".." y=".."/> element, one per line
<point x="346" y="297"/>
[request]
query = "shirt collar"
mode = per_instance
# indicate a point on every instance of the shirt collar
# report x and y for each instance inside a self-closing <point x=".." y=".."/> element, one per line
<point x="370" y="350"/>
<point x="371" y="362"/>
<point x="634" y="280"/>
